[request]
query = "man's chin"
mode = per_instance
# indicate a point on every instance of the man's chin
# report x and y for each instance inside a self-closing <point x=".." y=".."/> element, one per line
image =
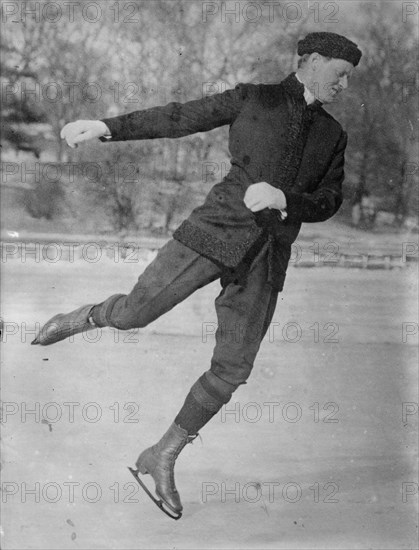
<point x="330" y="98"/>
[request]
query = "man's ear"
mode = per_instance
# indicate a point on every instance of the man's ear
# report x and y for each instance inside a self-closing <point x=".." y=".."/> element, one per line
<point x="314" y="61"/>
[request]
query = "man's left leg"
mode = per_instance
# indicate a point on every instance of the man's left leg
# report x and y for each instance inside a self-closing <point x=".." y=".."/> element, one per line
<point x="244" y="314"/>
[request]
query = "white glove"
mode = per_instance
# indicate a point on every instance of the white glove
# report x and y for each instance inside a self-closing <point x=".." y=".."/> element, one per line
<point x="83" y="130"/>
<point x="263" y="195"/>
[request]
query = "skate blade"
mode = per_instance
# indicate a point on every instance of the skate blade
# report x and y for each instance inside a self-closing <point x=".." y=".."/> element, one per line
<point x="158" y="502"/>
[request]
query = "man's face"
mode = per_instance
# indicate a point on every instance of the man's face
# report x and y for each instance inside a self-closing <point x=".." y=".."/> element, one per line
<point x="329" y="77"/>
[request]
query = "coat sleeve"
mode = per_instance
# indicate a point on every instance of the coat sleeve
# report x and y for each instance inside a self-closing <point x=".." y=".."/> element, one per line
<point x="323" y="203"/>
<point x="176" y="120"/>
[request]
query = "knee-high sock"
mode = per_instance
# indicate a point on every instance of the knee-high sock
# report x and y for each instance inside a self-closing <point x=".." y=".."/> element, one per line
<point x="101" y="312"/>
<point x="204" y="400"/>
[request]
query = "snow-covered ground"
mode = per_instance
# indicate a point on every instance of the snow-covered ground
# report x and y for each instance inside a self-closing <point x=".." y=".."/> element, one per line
<point x="318" y="450"/>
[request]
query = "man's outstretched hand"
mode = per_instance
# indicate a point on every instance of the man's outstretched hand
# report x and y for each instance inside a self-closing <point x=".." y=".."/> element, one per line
<point x="83" y="130"/>
<point x="263" y="195"/>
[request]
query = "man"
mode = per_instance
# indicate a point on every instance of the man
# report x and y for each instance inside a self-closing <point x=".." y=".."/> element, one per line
<point x="287" y="168"/>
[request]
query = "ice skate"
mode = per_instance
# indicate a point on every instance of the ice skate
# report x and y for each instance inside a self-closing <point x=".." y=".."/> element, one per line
<point x="159" y="461"/>
<point x="64" y="325"/>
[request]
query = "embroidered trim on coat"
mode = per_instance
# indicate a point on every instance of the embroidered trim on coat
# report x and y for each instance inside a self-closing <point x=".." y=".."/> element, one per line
<point x="210" y="246"/>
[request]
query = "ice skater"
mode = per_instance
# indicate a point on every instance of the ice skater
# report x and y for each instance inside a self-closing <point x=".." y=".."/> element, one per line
<point x="287" y="167"/>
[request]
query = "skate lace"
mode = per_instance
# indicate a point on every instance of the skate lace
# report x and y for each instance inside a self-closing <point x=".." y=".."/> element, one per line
<point x="189" y="439"/>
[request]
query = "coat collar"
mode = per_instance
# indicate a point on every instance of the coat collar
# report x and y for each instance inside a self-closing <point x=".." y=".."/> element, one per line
<point x="294" y="87"/>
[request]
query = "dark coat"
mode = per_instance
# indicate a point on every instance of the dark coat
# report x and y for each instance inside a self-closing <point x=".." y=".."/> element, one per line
<point x="274" y="137"/>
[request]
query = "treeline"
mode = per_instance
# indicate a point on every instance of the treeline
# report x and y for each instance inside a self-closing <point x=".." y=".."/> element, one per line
<point x="101" y="59"/>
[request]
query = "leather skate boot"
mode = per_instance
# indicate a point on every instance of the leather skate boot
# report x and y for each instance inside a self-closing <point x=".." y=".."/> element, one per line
<point x="64" y="325"/>
<point x="159" y="462"/>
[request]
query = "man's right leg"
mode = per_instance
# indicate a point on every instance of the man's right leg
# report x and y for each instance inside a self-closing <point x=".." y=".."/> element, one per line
<point x="175" y="273"/>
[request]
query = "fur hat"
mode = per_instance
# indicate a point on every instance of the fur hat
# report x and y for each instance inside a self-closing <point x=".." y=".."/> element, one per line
<point x="330" y="44"/>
